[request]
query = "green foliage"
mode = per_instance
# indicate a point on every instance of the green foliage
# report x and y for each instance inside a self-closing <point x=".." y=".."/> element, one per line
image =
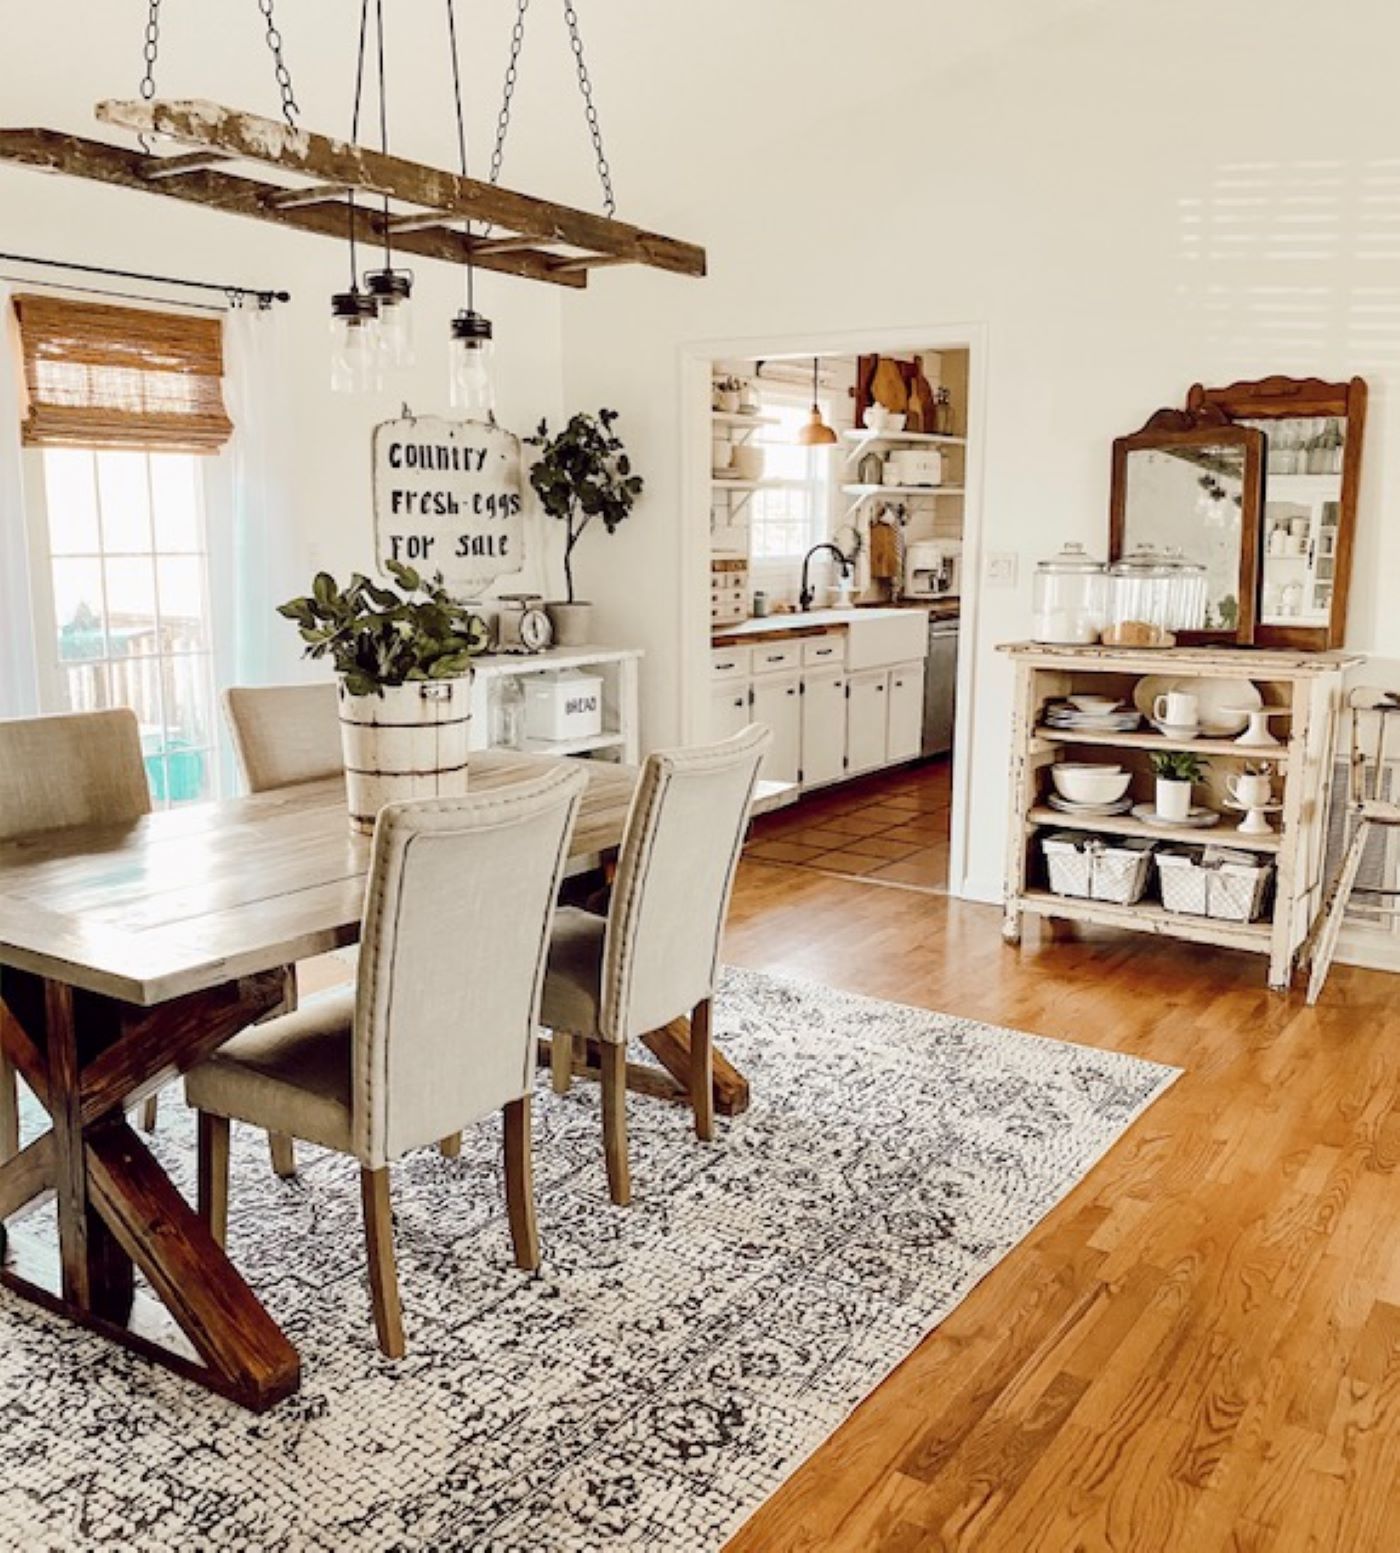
<point x="1178" y="766"/>
<point x="583" y="473"/>
<point x="377" y="637"/>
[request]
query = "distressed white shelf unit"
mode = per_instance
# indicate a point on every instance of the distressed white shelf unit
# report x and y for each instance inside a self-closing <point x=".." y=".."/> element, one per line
<point x="618" y="667"/>
<point x="1309" y="684"/>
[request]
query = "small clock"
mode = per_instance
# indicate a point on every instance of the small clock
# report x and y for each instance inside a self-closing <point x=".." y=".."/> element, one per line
<point x="522" y="625"/>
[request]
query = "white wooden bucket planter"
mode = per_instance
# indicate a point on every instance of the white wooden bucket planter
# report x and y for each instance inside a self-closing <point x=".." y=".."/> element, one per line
<point x="411" y="742"/>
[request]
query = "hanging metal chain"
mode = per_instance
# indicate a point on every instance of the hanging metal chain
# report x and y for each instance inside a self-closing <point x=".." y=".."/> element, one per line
<point x="590" y="112"/>
<point x="517" y="38"/>
<point x="150" y="49"/>
<point x="290" y="106"/>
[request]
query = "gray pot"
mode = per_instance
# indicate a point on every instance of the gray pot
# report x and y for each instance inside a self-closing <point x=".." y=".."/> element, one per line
<point x="572" y="623"/>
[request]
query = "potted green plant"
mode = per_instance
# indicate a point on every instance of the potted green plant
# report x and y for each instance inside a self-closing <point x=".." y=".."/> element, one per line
<point x="403" y="661"/>
<point x="581" y="474"/>
<point x="1176" y="772"/>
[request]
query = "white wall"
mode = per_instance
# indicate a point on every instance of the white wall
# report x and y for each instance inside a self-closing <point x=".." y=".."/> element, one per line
<point x="1130" y="197"/>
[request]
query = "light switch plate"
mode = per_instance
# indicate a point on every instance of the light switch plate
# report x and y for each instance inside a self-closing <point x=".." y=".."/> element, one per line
<point x="1002" y="567"/>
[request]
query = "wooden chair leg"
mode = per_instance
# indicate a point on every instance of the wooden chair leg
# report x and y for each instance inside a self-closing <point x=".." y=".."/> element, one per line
<point x="9" y="1110"/>
<point x="561" y="1060"/>
<point x="149" y="1110"/>
<point x="1336" y="912"/>
<point x="213" y="1174"/>
<point x="702" y="1071"/>
<point x="282" y="1147"/>
<point x="614" y="1077"/>
<point x="520" y="1185"/>
<point x="451" y="1148"/>
<point x="383" y="1271"/>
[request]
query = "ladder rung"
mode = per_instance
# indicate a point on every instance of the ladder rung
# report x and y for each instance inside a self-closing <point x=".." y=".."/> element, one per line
<point x="317" y="194"/>
<point x="187" y="162"/>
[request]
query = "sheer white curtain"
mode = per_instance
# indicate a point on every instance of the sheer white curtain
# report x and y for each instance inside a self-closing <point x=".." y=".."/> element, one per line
<point x="260" y="646"/>
<point x="19" y="675"/>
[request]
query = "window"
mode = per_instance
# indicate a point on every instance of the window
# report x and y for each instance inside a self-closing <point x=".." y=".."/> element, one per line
<point x="788" y="518"/>
<point x="121" y="581"/>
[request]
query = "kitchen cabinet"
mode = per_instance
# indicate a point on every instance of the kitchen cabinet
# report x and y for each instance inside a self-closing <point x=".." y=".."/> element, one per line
<point x="729" y="709"/>
<point x="823" y="726"/>
<point x="904" y="734"/>
<point x="867" y="721"/>
<point x="776" y="701"/>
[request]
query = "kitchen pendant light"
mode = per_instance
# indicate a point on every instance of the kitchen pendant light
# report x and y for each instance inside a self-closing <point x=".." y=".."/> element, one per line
<point x="392" y="291"/>
<point x="356" y="357"/>
<point x="816" y="433"/>
<point x="469" y="355"/>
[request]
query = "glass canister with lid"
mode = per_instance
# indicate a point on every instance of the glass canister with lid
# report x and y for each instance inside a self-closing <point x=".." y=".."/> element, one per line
<point x="1069" y="598"/>
<point x="1153" y="592"/>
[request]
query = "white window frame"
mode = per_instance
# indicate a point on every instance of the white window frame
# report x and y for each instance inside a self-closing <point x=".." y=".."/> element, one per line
<point x="779" y="569"/>
<point x="52" y="680"/>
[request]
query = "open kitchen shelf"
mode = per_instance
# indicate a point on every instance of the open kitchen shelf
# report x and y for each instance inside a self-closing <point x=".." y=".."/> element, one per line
<point x="914" y="438"/>
<point x="585" y="744"/>
<point x="1150" y="915"/>
<point x="738" y="418"/>
<point x="1226" y="748"/>
<point x="1223" y="835"/>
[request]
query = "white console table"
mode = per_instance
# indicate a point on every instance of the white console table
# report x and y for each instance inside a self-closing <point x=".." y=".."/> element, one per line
<point x="1308" y="684"/>
<point x="620" y="738"/>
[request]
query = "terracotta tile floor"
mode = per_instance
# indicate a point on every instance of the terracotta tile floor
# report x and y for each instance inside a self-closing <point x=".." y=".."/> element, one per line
<point x="891" y="828"/>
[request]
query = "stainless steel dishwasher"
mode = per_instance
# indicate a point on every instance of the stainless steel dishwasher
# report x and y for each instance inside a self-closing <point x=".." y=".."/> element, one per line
<point x="940" y="685"/>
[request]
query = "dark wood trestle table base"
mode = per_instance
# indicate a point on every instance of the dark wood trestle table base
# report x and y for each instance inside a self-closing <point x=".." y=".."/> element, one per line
<point x="129" y="953"/>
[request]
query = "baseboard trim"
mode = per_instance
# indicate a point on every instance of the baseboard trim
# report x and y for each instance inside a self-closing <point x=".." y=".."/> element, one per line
<point x="1370" y="951"/>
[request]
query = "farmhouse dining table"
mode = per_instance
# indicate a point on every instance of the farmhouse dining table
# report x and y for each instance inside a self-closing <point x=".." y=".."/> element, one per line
<point x="130" y="952"/>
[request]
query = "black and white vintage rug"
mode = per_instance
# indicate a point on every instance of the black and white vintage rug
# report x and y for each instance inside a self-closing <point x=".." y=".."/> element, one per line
<point x="670" y="1365"/>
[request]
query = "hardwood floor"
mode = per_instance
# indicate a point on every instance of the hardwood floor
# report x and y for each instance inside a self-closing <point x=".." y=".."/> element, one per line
<point x="1200" y="1348"/>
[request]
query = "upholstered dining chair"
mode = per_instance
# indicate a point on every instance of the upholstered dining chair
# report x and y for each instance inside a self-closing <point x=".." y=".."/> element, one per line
<point x="655" y="956"/>
<point x="440" y="1028"/>
<point x="76" y="768"/>
<point x="284" y="733"/>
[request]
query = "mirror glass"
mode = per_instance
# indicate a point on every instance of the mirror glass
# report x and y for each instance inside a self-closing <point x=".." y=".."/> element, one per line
<point x="1302" y="518"/>
<point x="1190" y="498"/>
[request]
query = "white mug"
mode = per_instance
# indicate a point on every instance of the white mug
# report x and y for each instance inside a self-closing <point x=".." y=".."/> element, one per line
<point x="1177" y="709"/>
<point x="1250" y="792"/>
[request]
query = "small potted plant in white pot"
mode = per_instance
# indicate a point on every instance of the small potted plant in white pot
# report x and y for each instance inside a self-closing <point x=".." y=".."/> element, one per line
<point x="1176" y="772"/>
<point x="581" y="474"/>
<point x="404" y="667"/>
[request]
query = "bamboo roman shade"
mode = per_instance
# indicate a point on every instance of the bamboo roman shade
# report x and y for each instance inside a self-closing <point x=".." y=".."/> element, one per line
<point x="115" y="377"/>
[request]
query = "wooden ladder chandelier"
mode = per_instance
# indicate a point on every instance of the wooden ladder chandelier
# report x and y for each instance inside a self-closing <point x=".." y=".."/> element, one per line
<point x="310" y="182"/>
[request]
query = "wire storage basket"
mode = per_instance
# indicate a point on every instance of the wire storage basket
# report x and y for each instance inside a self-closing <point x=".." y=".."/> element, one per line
<point x="1230" y="886"/>
<point x="1093" y="868"/>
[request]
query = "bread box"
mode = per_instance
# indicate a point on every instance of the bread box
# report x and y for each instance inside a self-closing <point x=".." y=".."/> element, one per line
<point x="563" y="705"/>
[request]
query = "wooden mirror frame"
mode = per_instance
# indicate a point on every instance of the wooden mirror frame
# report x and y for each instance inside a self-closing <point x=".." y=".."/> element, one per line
<point x="1207" y="427"/>
<point x="1288" y="398"/>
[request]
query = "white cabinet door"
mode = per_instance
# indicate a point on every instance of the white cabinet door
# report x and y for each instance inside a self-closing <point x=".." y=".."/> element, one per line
<point x="729" y="708"/>
<point x="906" y="712"/>
<point x="866" y="721"/>
<point x="823" y="727"/>
<point x="778" y="705"/>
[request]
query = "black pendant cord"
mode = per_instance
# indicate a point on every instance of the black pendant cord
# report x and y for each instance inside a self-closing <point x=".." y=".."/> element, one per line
<point x="461" y="139"/>
<point x="235" y="295"/>
<point x="355" y="137"/>
<point x="383" y="125"/>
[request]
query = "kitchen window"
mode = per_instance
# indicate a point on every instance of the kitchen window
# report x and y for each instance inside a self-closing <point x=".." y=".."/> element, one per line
<point x="789" y="517"/>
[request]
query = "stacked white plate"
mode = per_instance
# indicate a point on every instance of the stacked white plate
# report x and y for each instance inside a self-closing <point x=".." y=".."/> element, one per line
<point x="1089" y="811"/>
<point x="1093" y="715"/>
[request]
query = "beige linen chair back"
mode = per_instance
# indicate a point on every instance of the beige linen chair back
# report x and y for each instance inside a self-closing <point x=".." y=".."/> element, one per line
<point x="78" y="768"/>
<point x="285" y="733"/>
<point x="674" y="878"/>
<point x="456" y="932"/>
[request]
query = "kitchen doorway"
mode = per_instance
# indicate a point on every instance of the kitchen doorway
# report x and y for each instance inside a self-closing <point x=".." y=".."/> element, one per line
<point x="841" y="492"/>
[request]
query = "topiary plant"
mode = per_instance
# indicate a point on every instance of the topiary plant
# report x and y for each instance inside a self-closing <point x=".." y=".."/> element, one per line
<point x="581" y="474"/>
<point x="377" y="637"/>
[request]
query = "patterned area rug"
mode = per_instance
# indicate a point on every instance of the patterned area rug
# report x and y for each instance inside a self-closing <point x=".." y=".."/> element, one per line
<point x="670" y="1365"/>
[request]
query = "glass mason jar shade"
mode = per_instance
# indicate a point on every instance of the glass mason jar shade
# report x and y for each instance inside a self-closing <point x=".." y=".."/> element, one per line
<point x="472" y="390"/>
<point x="1069" y="598"/>
<point x="392" y="290"/>
<point x="355" y="354"/>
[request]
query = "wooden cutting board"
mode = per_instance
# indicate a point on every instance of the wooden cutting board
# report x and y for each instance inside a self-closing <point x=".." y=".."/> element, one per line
<point x="884" y="551"/>
<point x="922" y="400"/>
<point x="887" y="387"/>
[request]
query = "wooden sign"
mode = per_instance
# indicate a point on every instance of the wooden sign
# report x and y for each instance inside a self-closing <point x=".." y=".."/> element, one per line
<point x="447" y="498"/>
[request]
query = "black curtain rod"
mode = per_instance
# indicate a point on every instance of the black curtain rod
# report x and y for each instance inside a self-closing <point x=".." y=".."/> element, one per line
<point x="235" y="294"/>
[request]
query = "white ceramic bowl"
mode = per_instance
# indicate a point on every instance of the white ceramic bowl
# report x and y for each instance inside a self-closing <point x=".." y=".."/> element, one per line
<point x="1099" y="706"/>
<point x="1090" y="784"/>
<point x="896" y="421"/>
<point x="876" y="418"/>
<point x="747" y="461"/>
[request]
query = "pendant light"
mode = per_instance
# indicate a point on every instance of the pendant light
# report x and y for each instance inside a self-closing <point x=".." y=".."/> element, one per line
<point x="816" y="433"/>
<point x="391" y="289"/>
<point x="470" y="335"/>
<point x="356" y="352"/>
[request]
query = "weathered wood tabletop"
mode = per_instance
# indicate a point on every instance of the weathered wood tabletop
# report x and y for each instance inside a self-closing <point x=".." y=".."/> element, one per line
<point x="130" y="952"/>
